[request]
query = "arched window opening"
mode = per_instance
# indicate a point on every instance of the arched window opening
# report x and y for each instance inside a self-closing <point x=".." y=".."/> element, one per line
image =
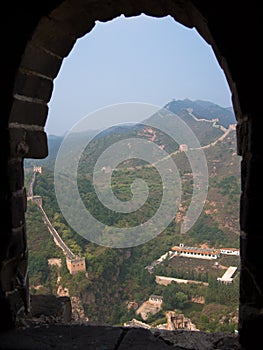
<point x="175" y="279"/>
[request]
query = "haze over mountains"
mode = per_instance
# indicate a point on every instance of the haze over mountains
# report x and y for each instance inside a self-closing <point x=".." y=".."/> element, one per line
<point x="185" y="109"/>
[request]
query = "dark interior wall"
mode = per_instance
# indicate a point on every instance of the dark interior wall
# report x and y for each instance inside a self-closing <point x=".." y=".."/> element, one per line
<point x="231" y="27"/>
<point x="235" y="26"/>
<point x="17" y="25"/>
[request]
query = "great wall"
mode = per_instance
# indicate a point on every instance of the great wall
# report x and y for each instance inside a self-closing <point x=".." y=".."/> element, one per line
<point x="74" y="263"/>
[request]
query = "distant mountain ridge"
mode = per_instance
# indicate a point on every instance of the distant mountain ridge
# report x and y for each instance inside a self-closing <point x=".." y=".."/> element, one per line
<point x="203" y="110"/>
<point x="186" y="109"/>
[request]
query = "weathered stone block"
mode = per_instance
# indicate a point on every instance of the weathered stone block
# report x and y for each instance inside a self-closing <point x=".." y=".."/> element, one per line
<point x="24" y="112"/>
<point x="37" y="142"/>
<point x="50" y="36"/>
<point x="250" y="220"/>
<point x="155" y="8"/>
<point x="44" y="62"/>
<point x="242" y="137"/>
<point x="18" y="208"/>
<point x="130" y="8"/>
<point x="17" y="243"/>
<point x="72" y="19"/>
<point x="251" y="323"/>
<point x="8" y="275"/>
<point x="33" y="86"/>
<point x="28" y="143"/>
<point x="15" y="174"/>
<point x="103" y="11"/>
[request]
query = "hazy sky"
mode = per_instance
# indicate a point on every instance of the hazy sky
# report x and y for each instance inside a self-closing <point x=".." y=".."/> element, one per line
<point x="138" y="59"/>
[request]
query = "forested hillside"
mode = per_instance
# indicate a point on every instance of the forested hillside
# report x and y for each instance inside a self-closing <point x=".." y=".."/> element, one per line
<point x="117" y="276"/>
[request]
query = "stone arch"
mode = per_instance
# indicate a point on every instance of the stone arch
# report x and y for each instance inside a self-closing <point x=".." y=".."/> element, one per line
<point x="51" y="41"/>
